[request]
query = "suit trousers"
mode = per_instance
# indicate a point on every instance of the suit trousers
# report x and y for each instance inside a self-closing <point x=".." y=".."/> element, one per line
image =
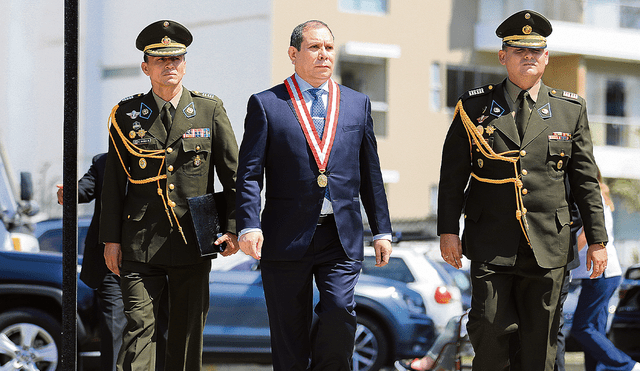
<point x="514" y="302"/>
<point x="188" y="292"/>
<point x="562" y="339"/>
<point x="289" y="294"/>
<point x="112" y="320"/>
<point x="590" y="326"/>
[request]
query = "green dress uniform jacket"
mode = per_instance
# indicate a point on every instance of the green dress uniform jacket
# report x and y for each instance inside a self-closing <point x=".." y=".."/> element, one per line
<point x="556" y="145"/>
<point x="200" y="140"/>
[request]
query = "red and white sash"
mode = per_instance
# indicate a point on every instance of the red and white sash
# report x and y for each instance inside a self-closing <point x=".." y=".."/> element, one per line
<point x="320" y="148"/>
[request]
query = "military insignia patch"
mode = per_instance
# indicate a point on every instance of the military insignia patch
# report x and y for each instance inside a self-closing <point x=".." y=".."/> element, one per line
<point x="569" y="95"/>
<point x="136" y="125"/>
<point x="142" y="163"/>
<point x="189" y="110"/>
<point x="545" y="111"/>
<point x="476" y="91"/>
<point x="480" y="129"/>
<point x="133" y="114"/>
<point x="145" y="111"/>
<point x="482" y="118"/>
<point x="490" y="129"/>
<point x="496" y="110"/>
<point x="132" y="134"/>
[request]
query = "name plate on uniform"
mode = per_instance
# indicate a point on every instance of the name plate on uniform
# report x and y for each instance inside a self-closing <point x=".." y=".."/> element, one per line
<point x="205" y="213"/>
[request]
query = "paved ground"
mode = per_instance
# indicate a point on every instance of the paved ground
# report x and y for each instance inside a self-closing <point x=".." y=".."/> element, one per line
<point x="574" y="362"/>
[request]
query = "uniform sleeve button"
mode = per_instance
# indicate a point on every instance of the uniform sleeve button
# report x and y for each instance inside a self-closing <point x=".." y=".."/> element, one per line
<point x="523" y="153"/>
<point x="525" y="191"/>
<point x="169" y="150"/>
<point x="524" y="172"/>
<point x="171" y="186"/>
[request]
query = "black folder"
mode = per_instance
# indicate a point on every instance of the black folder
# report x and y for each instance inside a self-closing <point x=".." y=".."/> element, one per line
<point x="209" y="216"/>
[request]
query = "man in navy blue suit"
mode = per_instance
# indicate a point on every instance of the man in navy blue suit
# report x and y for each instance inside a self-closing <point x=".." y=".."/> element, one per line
<point x="313" y="142"/>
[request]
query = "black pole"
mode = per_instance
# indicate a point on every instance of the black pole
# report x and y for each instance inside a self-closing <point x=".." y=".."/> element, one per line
<point x="68" y="351"/>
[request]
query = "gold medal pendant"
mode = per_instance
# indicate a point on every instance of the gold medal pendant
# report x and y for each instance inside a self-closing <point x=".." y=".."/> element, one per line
<point x="322" y="180"/>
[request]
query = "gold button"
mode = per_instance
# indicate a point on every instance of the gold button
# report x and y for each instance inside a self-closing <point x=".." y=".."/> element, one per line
<point x="523" y="153"/>
<point x="525" y="191"/>
<point x="197" y="148"/>
<point x="524" y="172"/>
<point x="169" y="150"/>
<point x="170" y="168"/>
<point x="562" y="154"/>
<point x="171" y="186"/>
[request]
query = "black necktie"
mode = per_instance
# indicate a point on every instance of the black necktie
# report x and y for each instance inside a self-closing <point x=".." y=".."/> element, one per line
<point x="166" y="116"/>
<point x="522" y="116"/>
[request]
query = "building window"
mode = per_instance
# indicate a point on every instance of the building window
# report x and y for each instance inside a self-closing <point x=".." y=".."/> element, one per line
<point x="369" y="76"/>
<point x="112" y="73"/>
<point x="436" y="88"/>
<point x="615" y="108"/>
<point x="461" y="79"/>
<point x="364" y="6"/>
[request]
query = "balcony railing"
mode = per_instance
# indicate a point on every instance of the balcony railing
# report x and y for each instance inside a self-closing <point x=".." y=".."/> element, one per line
<point x="615" y="131"/>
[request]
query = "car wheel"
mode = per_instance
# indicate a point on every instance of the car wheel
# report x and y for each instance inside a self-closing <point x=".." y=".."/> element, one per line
<point x="371" y="349"/>
<point x="29" y="340"/>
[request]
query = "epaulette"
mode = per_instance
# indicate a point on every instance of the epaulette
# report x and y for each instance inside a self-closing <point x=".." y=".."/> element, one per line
<point x="477" y="92"/>
<point x="566" y="95"/>
<point x="203" y="95"/>
<point x="131" y="97"/>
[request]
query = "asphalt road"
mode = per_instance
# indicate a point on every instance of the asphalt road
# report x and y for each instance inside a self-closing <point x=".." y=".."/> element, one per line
<point x="574" y="362"/>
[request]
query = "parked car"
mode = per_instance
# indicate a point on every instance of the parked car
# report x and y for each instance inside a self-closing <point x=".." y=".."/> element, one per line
<point x="625" y="326"/>
<point x="412" y="265"/>
<point x="392" y="318"/>
<point x="49" y="234"/>
<point x="31" y="313"/>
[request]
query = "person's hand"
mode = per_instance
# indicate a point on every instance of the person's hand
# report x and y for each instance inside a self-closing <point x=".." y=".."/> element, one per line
<point x="596" y="257"/>
<point x="232" y="244"/>
<point x="59" y="193"/>
<point x="113" y="256"/>
<point x="383" y="251"/>
<point x="451" y="249"/>
<point x="251" y="244"/>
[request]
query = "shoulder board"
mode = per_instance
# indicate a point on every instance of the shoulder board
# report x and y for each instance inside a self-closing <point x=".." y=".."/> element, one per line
<point x="566" y="95"/>
<point x="201" y="94"/>
<point x="477" y="92"/>
<point x="131" y="97"/>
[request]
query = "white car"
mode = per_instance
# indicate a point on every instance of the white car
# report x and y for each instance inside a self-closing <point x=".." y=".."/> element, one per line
<point x="412" y="264"/>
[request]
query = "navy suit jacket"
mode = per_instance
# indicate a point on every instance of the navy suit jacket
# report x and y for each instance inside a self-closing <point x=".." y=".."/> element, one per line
<point x="274" y="148"/>
<point x="94" y="269"/>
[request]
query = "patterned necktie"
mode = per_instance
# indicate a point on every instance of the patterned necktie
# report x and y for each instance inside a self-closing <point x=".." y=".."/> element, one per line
<point x="522" y="116"/>
<point x="318" y="112"/>
<point x="167" y="120"/>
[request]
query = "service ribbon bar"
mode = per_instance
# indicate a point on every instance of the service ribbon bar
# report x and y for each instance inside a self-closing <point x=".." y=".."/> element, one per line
<point x="320" y="148"/>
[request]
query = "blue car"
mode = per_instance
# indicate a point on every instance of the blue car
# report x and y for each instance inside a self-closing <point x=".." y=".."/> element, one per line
<point x="30" y="314"/>
<point x="625" y="326"/>
<point x="392" y="319"/>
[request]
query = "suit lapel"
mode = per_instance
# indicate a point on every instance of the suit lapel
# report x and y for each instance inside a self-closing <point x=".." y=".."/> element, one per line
<point x="505" y="121"/>
<point x="181" y="123"/>
<point x="539" y="114"/>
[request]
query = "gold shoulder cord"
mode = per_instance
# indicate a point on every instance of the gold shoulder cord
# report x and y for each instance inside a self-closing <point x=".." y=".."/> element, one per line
<point x="146" y="153"/>
<point x="487" y="151"/>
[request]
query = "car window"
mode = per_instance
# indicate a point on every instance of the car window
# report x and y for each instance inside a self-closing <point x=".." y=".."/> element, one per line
<point x="51" y="240"/>
<point x="395" y="270"/>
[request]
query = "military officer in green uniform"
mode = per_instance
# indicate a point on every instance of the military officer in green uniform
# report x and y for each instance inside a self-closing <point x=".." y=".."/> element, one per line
<point x="504" y="163"/>
<point x="165" y="146"/>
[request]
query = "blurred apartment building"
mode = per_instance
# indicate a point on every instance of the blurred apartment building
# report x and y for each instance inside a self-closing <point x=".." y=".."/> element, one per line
<point x="414" y="58"/>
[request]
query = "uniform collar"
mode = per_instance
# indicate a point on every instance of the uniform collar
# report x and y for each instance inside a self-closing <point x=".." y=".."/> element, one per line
<point x="174" y="101"/>
<point x="514" y="90"/>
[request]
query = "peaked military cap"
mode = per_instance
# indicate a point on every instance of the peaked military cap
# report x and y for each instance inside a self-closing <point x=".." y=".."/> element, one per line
<point x="525" y="29"/>
<point x="164" y="39"/>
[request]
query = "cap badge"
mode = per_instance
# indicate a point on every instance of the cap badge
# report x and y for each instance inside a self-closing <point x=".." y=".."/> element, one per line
<point x="527" y="16"/>
<point x="166" y="24"/>
<point x="166" y="40"/>
<point x="527" y="29"/>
